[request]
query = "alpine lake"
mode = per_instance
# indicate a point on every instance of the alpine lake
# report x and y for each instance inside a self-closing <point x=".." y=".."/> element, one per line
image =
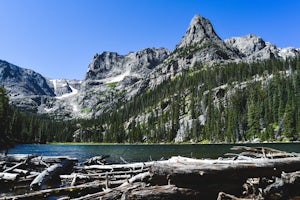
<point x="141" y="152"/>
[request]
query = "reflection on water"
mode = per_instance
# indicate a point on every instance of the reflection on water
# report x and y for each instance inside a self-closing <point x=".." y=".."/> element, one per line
<point x="139" y="152"/>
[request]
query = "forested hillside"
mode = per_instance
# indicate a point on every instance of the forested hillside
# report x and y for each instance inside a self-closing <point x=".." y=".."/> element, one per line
<point x="235" y="102"/>
<point x="224" y="103"/>
<point x="23" y="127"/>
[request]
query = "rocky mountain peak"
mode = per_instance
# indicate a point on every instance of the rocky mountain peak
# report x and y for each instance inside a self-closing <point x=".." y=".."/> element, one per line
<point x="199" y="29"/>
<point x="253" y="48"/>
<point x="103" y="63"/>
<point x="110" y="64"/>
<point x="247" y="44"/>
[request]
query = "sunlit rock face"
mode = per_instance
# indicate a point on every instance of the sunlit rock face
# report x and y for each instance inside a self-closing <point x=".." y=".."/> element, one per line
<point x="253" y="48"/>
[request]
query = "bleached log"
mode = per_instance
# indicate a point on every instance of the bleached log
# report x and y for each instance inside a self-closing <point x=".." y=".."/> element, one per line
<point x="137" y="178"/>
<point x="220" y="176"/>
<point x="117" y="166"/>
<point x="5" y="176"/>
<point x="103" y="175"/>
<point x="44" y="176"/>
<point x="73" y="191"/>
<point x="74" y="180"/>
<point x="79" y="176"/>
<point x="263" y="151"/>
<point x="14" y="167"/>
<point x="20" y="171"/>
<point x="230" y="169"/>
<point x="48" y="160"/>
<point x="51" y="172"/>
<point x="17" y="158"/>
<point x="96" y="160"/>
<point x="110" y="194"/>
<point x="139" y="191"/>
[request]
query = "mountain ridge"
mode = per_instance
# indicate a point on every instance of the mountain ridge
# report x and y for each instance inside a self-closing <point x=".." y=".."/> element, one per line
<point x="112" y="77"/>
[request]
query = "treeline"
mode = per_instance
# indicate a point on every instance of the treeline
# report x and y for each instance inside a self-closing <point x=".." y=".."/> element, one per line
<point x="225" y="103"/>
<point x="24" y="127"/>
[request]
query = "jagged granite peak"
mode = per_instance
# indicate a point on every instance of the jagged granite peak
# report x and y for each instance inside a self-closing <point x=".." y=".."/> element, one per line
<point x="111" y="64"/>
<point x="103" y="63"/>
<point x="199" y="30"/>
<point x="247" y="44"/>
<point x="200" y="44"/>
<point x="113" y="76"/>
<point x="253" y="48"/>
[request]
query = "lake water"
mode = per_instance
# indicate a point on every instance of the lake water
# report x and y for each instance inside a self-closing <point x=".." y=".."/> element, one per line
<point x="139" y="152"/>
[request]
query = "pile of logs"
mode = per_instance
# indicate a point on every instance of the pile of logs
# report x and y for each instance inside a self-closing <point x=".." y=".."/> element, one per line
<point x="255" y="173"/>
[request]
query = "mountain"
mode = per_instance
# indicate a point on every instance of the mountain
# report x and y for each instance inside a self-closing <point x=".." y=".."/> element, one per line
<point x="211" y="90"/>
<point x="19" y="81"/>
<point x="24" y="87"/>
<point x="111" y="77"/>
<point x="253" y="48"/>
<point x="159" y="95"/>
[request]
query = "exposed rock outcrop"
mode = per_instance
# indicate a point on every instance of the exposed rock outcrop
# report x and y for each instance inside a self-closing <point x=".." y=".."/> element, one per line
<point x="23" y="82"/>
<point x="253" y="48"/>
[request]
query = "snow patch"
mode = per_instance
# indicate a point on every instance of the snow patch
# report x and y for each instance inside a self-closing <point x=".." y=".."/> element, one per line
<point x="117" y="78"/>
<point x="68" y="95"/>
<point x="54" y="85"/>
<point x="47" y="109"/>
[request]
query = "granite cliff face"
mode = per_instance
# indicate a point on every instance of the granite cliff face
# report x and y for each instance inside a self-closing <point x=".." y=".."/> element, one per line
<point x="25" y="87"/>
<point x="112" y="77"/>
<point x="19" y="81"/>
<point x="253" y="48"/>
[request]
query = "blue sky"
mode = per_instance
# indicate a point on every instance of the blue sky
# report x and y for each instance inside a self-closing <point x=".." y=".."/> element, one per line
<point x="58" y="38"/>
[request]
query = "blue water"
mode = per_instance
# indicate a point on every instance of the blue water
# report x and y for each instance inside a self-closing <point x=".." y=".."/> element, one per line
<point x="134" y="153"/>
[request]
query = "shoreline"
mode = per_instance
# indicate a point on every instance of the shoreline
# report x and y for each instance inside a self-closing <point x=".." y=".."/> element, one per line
<point x="183" y="143"/>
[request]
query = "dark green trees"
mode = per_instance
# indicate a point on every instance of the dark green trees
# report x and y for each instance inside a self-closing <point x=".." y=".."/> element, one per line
<point x="222" y="103"/>
<point x="5" y="118"/>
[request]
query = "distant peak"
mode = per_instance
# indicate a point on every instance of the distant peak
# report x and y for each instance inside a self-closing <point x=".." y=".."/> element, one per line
<point x="199" y="29"/>
<point x="198" y="19"/>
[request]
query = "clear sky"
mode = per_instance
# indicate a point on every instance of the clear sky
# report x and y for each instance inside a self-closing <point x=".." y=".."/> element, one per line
<point x="58" y="38"/>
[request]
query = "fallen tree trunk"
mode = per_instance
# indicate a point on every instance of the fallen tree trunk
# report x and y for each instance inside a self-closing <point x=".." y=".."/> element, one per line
<point x="117" y="167"/>
<point x="7" y="177"/>
<point x="73" y="191"/>
<point x="226" y="168"/>
<point x="18" y="157"/>
<point x="165" y="192"/>
<point x="140" y="191"/>
<point x="96" y="160"/>
<point x="224" y="175"/>
<point x="51" y="172"/>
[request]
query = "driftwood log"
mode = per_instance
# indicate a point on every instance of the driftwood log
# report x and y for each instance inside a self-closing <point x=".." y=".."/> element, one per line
<point x="8" y="176"/>
<point x="51" y="172"/>
<point x="73" y="191"/>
